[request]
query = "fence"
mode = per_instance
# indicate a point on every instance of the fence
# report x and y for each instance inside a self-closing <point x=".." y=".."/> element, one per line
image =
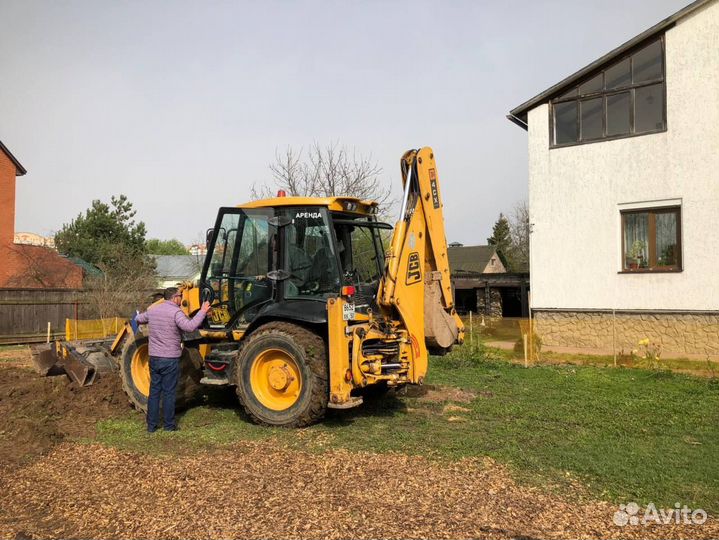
<point x="27" y="314"/>
<point x="92" y="329"/>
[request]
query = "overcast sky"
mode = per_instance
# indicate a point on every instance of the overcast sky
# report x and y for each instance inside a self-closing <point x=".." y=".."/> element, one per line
<point x="182" y="105"/>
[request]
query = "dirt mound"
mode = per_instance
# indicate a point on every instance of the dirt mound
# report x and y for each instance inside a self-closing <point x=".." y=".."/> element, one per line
<point x="437" y="394"/>
<point x="38" y="412"/>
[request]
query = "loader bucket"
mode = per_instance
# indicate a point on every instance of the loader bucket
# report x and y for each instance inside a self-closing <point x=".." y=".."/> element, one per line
<point x="83" y="361"/>
<point x="45" y="359"/>
<point x="80" y="372"/>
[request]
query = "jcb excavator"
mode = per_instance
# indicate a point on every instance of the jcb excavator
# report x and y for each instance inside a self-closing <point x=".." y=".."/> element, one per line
<point x="308" y="311"/>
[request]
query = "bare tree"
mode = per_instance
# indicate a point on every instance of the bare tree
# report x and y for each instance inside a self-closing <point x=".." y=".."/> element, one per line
<point x="325" y="172"/>
<point x="520" y="229"/>
<point x="42" y="267"/>
<point x="122" y="287"/>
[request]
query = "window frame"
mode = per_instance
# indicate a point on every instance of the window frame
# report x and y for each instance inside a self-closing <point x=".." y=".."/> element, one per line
<point x="651" y="212"/>
<point x="573" y="95"/>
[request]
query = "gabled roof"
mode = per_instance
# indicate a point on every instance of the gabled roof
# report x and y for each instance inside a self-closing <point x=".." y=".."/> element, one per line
<point x="176" y="266"/>
<point x="19" y="169"/>
<point x="518" y="115"/>
<point x="472" y="259"/>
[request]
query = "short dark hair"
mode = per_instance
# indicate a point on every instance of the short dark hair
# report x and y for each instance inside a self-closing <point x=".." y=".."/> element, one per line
<point x="170" y="292"/>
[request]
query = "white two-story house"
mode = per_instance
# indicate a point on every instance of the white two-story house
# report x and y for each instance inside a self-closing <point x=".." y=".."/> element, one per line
<point x="624" y="193"/>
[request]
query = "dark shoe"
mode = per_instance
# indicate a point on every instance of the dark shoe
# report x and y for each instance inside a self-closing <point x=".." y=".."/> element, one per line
<point x="172" y="429"/>
<point x="151" y="430"/>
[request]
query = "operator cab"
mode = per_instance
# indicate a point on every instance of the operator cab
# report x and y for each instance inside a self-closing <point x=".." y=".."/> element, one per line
<point x="263" y="259"/>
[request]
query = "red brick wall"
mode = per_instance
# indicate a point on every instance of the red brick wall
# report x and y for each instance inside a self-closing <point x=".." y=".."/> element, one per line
<point x="7" y="199"/>
<point x="24" y="266"/>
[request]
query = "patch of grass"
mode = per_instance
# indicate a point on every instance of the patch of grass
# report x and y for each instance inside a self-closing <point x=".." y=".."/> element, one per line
<point x="5" y="348"/>
<point x="626" y="434"/>
<point x="703" y="368"/>
<point x="201" y="428"/>
<point x="630" y="434"/>
<point x="699" y="367"/>
<point x="13" y="353"/>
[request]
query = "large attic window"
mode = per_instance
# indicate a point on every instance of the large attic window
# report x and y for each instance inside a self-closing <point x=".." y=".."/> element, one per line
<point x="624" y="99"/>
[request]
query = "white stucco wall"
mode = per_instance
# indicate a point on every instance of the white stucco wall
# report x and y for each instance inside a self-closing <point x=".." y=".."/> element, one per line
<point x="575" y="193"/>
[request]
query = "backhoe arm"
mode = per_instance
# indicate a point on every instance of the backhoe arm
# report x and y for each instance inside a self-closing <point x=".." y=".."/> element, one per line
<point x="417" y="280"/>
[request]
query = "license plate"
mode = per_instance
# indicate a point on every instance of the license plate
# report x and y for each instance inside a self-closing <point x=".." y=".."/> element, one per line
<point x="348" y="312"/>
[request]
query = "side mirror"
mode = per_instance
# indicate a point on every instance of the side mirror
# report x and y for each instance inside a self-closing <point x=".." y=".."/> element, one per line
<point x="208" y="237"/>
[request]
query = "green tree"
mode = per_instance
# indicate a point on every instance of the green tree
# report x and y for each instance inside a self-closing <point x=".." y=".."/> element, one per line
<point x="502" y="239"/>
<point x="155" y="246"/>
<point x="105" y="234"/>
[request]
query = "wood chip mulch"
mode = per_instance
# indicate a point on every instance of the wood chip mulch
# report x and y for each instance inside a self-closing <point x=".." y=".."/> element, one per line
<point x="257" y="490"/>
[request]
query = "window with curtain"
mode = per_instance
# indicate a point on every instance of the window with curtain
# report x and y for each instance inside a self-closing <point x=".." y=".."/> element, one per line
<point x="651" y="240"/>
<point x="623" y="99"/>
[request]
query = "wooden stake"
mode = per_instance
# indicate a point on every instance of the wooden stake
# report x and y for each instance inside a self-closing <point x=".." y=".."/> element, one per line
<point x="48" y="331"/>
<point x="471" y="333"/>
<point x="524" y="339"/>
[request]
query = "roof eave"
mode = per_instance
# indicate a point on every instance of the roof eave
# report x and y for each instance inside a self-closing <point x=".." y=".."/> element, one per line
<point x="19" y="169"/>
<point x="520" y="112"/>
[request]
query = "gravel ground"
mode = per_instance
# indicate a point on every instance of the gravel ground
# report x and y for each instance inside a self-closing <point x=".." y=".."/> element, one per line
<point x="257" y="490"/>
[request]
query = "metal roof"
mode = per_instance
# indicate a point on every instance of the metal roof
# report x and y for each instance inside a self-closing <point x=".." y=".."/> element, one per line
<point x="518" y="115"/>
<point x="333" y="203"/>
<point x="19" y="169"/>
<point x="89" y="268"/>
<point x="177" y="266"/>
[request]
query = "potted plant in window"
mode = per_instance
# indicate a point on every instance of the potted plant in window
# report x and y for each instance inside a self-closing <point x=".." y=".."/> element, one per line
<point x="668" y="258"/>
<point x="635" y="254"/>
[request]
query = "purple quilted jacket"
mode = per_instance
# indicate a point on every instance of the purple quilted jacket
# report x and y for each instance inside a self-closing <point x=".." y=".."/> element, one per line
<point x="166" y="319"/>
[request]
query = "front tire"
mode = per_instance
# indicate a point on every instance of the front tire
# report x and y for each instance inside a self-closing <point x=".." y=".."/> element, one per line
<point x="282" y="376"/>
<point x="135" y="374"/>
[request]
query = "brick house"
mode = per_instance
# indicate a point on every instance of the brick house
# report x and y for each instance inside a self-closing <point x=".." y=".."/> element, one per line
<point x="27" y="266"/>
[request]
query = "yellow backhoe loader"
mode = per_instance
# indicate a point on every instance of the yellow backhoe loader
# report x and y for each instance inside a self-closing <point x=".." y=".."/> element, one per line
<point x="308" y="309"/>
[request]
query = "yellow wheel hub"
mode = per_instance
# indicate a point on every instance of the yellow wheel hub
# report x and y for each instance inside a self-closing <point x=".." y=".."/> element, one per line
<point x="140" y="368"/>
<point x="275" y="379"/>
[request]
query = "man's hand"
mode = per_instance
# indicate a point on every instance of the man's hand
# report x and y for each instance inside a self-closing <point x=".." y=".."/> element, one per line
<point x="205" y="307"/>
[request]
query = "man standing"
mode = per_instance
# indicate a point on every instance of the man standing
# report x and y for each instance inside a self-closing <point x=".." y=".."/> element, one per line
<point x="166" y="320"/>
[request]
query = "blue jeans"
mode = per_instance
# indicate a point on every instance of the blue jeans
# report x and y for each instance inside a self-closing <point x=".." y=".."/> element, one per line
<point x="163" y="383"/>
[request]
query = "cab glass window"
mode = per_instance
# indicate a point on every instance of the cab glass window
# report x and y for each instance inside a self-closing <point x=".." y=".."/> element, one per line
<point x="309" y="254"/>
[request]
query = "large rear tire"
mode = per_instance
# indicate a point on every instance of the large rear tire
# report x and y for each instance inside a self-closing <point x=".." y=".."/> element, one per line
<point x="135" y="374"/>
<point x="282" y="376"/>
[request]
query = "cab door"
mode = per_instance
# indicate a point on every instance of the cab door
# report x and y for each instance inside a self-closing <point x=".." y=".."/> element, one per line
<point x="241" y="255"/>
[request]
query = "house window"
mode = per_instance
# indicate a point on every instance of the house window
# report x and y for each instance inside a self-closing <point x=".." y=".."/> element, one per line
<point x="651" y="240"/>
<point x="627" y="98"/>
